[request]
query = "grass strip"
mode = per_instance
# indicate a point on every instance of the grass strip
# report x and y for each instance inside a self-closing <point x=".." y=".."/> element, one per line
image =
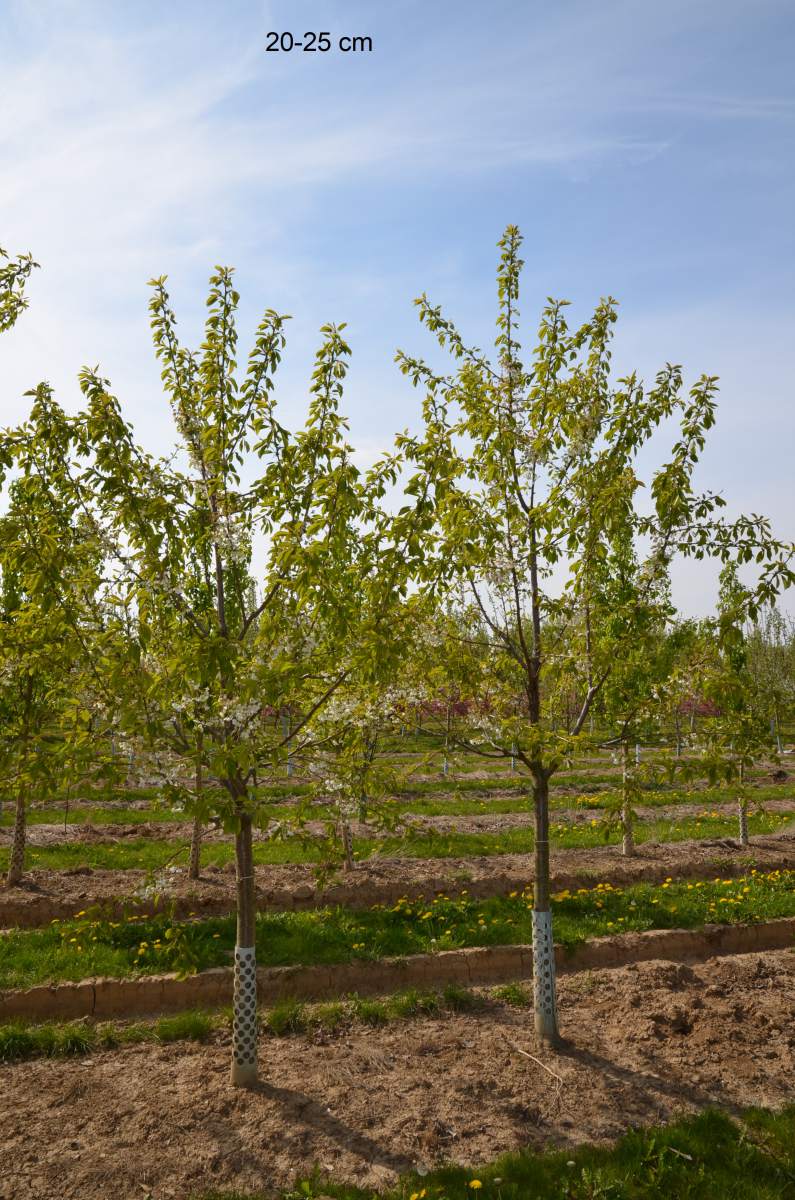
<point x="92" y="944"/>
<point x="705" y="1157"/>
<point x="152" y="854"/>
<point x="20" y="1040"/>
<point x="454" y="800"/>
<point x="454" y="803"/>
<point x="55" y="1039"/>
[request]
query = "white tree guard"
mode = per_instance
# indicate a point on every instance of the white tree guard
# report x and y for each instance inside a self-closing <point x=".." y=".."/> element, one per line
<point x="544" y="997"/>
<point x="244" y="1023"/>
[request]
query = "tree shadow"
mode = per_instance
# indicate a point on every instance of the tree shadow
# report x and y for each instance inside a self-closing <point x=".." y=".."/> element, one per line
<point x="301" y="1109"/>
<point x="677" y="1090"/>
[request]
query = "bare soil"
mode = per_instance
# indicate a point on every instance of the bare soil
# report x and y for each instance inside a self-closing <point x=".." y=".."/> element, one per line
<point x="647" y="1043"/>
<point x="44" y="894"/>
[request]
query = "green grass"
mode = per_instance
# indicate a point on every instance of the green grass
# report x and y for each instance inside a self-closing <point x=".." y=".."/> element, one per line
<point x="706" y="798"/>
<point x="705" y="1157"/>
<point x="514" y="994"/>
<point x="58" y="1039"/>
<point x="291" y="1016"/>
<point x="94" y="815"/>
<point x="702" y="826"/>
<point x="90" y="944"/>
<point x="22" y="1040"/>
<point x="500" y="791"/>
<point x="152" y="854"/>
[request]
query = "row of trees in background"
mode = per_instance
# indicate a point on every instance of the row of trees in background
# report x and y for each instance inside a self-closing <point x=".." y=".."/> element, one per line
<point x="676" y="693"/>
<point x="254" y="600"/>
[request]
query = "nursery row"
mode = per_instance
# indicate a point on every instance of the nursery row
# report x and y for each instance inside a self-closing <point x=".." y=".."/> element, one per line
<point x="153" y="854"/>
<point x="452" y="795"/>
<point x="59" y="1039"/>
<point x="92" y="944"/>
<point x="251" y="606"/>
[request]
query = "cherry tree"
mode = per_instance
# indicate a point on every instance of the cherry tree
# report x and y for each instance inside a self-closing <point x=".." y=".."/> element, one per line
<point x="194" y="656"/>
<point x="533" y="469"/>
<point x="632" y="699"/>
<point x="50" y="715"/>
<point x="737" y="733"/>
<point x="770" y="644"/>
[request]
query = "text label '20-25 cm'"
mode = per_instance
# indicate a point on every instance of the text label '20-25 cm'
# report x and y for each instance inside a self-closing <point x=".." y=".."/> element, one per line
<point x="317" y="42"/>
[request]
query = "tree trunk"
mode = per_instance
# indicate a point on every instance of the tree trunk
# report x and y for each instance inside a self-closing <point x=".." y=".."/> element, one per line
<point x="347" y="844"/>
<point x="627" y="833"/>
<point x="244" y="1023"/>
<point x="195" y="848"/>
<point x="196" y="834"/>
<point x="445" y="766"/>
<point x="742" y="809"/>
<point x="16" y="865"/>
<point x="286" y="735"/>
<point x="544" y="990"/>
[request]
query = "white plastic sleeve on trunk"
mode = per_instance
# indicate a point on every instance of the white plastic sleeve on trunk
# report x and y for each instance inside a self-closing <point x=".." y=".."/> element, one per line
<point x="543" y="963"/>
<point x="244" y="1025"/>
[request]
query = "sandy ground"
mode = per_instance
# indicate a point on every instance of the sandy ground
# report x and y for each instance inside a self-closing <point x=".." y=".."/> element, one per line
<point x="646" y="1042"/>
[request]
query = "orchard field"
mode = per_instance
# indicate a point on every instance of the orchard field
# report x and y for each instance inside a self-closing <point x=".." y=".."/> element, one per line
<point x="453" y="870"/>
<point x="389" y="833"/>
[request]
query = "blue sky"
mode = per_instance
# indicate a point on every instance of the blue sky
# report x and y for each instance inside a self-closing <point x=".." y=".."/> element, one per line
<point x="646" y="151"/>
